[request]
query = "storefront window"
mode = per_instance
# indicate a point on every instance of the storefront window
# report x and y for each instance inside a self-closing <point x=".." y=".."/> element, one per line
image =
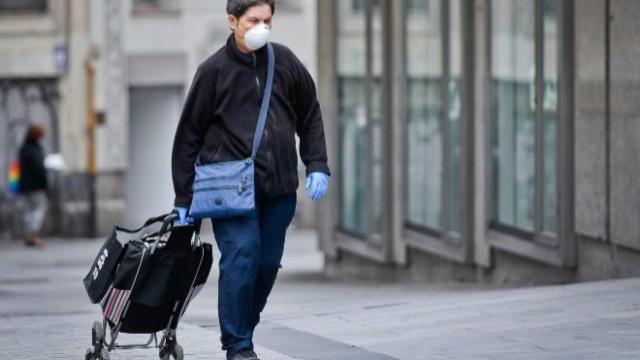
<point x="352" y="112"/>
<point x="359" y="72"/>
<point x="513" y="85"/>
<point x="425" y="72"/>
<point x="454" y="112"/>
<point x="434" y="72"/>
<point x="376" y="118"/>
<point x="524" y="112"/>
<point x="353" y="122"/>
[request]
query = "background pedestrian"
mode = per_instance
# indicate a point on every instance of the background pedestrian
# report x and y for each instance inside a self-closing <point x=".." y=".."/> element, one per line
<point x="33" y="184"/>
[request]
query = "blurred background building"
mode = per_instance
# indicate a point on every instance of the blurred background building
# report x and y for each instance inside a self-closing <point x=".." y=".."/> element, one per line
<point x="492" y="140"/>
<point x="108" y="79"/>
<point x="474" y="140"/>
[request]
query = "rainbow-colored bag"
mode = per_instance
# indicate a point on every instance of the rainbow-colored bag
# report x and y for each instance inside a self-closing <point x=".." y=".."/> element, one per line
<point x="13" y="183"/>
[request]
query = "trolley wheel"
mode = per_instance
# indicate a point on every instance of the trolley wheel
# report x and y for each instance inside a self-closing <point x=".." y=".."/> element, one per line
<point x="178" y="352"/>
<point x="165" y="354"/>
<point x="104" y="354"/>
<point x="174" y="351"/>
<point x="97" y="334"/>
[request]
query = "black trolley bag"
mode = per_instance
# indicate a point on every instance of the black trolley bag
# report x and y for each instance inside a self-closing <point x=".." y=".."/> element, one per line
<point x="102" y="272"/>
<point x="157" y="276"/>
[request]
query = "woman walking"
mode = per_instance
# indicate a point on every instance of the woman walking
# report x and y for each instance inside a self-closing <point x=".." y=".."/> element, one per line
<point x="33" y="184"/>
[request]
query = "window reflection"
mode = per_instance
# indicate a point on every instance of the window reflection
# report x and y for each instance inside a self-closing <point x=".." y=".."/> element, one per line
<point x="454" y="114"/>
<point x="424" y="170"/>
<point x="515" y="113"/>
<point x="434" y="110"/>
<point x="455" y="198"/>
<point x="353" y="121"/>
<point x="360" y="116"/>
<point x="377" y="146"/>
<point x="418" y="5"/>
<point x="352" y="113"/>
<point x="513" y="86"/>
<point x="424" y="133"/>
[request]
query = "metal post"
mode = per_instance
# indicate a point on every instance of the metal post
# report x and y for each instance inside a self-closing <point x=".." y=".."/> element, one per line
<point x="91" y="153"/>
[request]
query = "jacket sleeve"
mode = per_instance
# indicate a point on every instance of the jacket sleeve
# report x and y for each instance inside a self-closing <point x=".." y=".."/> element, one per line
<point x="309" y="127"/>
<point x="194" y="121"/>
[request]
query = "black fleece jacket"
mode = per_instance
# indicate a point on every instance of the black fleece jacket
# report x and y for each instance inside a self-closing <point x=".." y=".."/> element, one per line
<point x="220" y="115"/>
<point x="33" y="174"/>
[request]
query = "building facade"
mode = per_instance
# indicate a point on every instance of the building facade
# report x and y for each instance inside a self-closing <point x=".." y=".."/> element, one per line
<point x="42" y="47"/>
<point x="491" y="140"/>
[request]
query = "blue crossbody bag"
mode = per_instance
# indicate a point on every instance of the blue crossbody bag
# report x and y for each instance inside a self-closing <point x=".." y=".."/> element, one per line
<point x="226" y="189"/>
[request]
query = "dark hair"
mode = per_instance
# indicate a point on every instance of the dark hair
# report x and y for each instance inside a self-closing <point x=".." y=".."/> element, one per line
<point x="238" y="8"/>
<point x="34" y="133"/>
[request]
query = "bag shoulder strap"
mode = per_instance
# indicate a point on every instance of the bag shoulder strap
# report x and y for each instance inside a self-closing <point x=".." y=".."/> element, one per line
<point x="266" y="98"/>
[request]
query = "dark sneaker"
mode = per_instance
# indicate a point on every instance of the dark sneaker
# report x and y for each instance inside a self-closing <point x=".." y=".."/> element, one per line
<point x="33" y="240"/>
<point x="244" y="354"/>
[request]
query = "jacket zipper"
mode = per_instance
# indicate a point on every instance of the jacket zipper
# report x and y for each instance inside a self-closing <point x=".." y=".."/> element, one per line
<point x="227" y="187"/>
<point x="227" y="177"/>
<point x="255" y="70"/>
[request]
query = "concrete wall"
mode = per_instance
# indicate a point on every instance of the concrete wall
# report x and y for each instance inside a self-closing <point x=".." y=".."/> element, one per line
<point x="50" y="48"/>
<point x="591" y="119"/>
<point x="607" y="121"/>
<point x="625" y="123"/>
<point x="148" y="183"/>
<point x="34" y="47"/>
<point x="28" y="44"/>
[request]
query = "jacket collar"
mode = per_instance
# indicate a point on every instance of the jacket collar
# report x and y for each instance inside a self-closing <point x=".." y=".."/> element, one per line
<point x="236" y="54"/>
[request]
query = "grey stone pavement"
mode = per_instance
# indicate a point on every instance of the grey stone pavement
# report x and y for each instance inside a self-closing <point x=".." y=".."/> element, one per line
<point x="45" y="314"/>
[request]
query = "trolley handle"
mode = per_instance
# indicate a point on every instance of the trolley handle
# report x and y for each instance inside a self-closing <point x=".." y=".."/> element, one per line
<point x="195" y="239"/>
<point x="168" y="221"/>
<point x="155" y="219"/>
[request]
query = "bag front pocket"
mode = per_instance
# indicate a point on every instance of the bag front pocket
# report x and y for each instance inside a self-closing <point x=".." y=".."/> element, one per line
<point x="223" y="190"/>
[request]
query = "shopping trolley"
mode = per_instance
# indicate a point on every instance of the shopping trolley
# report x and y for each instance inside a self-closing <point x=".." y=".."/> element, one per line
<point x="144" y="280"/>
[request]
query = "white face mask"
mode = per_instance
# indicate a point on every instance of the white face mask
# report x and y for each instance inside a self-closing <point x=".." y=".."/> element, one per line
<point x="257" y="36"/>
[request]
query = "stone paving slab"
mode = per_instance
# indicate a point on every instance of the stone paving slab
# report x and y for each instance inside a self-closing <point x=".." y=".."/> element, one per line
<point x="68" y="336"/>
<point x="44" y="314"/>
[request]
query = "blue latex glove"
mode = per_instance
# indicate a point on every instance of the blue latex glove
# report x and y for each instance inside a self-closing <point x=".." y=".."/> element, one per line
<point x="317" y="185"/>
<point x="184" y="219"/>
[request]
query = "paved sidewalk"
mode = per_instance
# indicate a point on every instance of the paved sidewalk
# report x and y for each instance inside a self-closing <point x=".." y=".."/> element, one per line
<point x="45" y="314"/>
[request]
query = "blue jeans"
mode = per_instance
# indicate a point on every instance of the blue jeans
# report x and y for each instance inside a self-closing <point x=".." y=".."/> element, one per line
<point x="251" y="249"/>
